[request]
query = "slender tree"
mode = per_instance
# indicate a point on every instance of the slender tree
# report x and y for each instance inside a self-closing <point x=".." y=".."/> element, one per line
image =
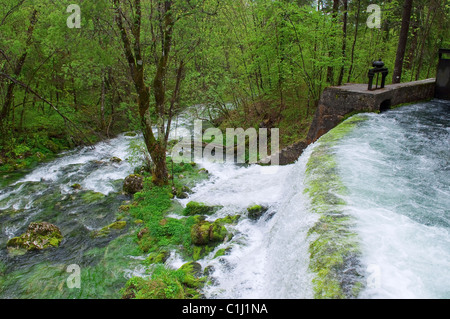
<point x="133" y="52"/>
<point x="344" y="41"/>
<point x="10" y="90"/>
<point x="403" y="38"/>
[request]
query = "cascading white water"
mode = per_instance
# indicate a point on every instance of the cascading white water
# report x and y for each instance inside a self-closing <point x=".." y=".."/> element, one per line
<point x="268" y="257"/>
<point x="70" y="166"/>
<point x="396" y="168"/>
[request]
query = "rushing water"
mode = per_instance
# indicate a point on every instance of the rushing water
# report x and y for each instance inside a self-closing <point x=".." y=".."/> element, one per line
<point x="394" y="165"/>
<point x="45" y="194"/>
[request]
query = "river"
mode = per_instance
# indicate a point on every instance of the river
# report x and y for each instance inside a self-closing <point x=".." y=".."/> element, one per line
<point x="394" y="165"/>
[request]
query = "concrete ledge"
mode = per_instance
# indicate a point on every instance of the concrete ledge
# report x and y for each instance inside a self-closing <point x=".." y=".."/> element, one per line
<point x="337" y="102"/>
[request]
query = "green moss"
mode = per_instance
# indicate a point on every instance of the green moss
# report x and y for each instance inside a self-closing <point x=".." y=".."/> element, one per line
<point x="164" y="284"/>
<point x="195" y="208"/>
<point x="192" y="275"/>
<point x="91" y="197"/>
<point x="191" y="236"/>
<point x="105" y="231"/>
<point x="221" y="252"/>
<point x="334" y="244"/>
<point x="38" y="236"/>
<point x="157" y="257"/>
<point x="205" y="236"/>
<point x="230" y="219"/>
<point x="256" y="211"/>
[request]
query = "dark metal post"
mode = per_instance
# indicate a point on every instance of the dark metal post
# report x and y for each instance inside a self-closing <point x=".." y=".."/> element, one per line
<point x="443" y="76"/>
<point x="378" y="68"/>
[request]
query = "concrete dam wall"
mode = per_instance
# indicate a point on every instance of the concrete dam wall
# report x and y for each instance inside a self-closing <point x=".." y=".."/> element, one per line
<point x="339" y="102"/>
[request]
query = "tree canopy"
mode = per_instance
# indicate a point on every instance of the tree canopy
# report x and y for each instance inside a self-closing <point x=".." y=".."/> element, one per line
<point x="133" y="65"/>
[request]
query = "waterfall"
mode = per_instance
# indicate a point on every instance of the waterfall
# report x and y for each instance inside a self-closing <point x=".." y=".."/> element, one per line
<point x="363" y="213"/>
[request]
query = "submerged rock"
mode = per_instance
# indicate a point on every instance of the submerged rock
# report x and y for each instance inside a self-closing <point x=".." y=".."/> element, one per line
<point x="133" y="183"/>
<point x="91" y="197"/>
<point x="105" y="231"/>
<point x="38" y="236"/>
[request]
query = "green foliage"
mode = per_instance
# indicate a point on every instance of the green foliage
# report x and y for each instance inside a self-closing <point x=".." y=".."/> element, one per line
<point x="164" y="283"/>
<point x="195" y="208"/>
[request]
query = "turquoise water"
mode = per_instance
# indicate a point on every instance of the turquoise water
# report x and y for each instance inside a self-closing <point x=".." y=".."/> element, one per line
<point x="396" y="167"/>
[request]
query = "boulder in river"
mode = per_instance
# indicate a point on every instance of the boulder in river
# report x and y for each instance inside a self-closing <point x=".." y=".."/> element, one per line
<point x="256" y="211"/>
<point x="115" y="160"/>
<point x="38" y="236"/>
<point x="76" y="186"/>
<point x="105" y="231"/>
<point x="133" y="183"/>
<point x="196" y="208"/>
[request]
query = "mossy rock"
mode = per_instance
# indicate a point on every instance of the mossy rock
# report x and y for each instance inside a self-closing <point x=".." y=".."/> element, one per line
<point x="222" y="252"/>
<point x="196" y="208"/>
<point x="124" y="208"/>
<point x="192" y="275"/>
<point x="192" y="268"/>
<point x="76" y="186"/>
<point x="230" y="220"/>
<point x="198" y="252"/>
<point x="158" y="257"/>
<point x="130" y="134"/>
<point x="203" y="171"/>
<point x="157" y="288"/>
<point x="37" y="237"/>
<point x="115" y="159"/>
<point x="256" y="211"/>
<point x="205" y="236"/>
<point x="105" y="231"/>
<point x="133" y="183"/>
<point x="204" y="232"/>
<point x="200" y="233"/>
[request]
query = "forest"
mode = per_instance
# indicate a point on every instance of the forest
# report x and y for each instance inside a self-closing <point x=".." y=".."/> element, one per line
<point x="76" y="73"/>
<point x="95" y="94"/>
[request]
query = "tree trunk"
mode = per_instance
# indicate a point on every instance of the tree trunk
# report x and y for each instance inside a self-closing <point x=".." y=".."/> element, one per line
<point x="155" y="147"/>
<point x="403" y="38"/>
<point x="102" y="104"/>
<point x="10" y="90"/>
<point x="352" y="59"/>
<point x="330" y="71"/>
<point x="344" y="41"/>
<point x="428" y="23"/>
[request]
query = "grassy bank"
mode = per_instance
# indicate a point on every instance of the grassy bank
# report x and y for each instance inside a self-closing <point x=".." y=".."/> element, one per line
<point x="187" y="234"/>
